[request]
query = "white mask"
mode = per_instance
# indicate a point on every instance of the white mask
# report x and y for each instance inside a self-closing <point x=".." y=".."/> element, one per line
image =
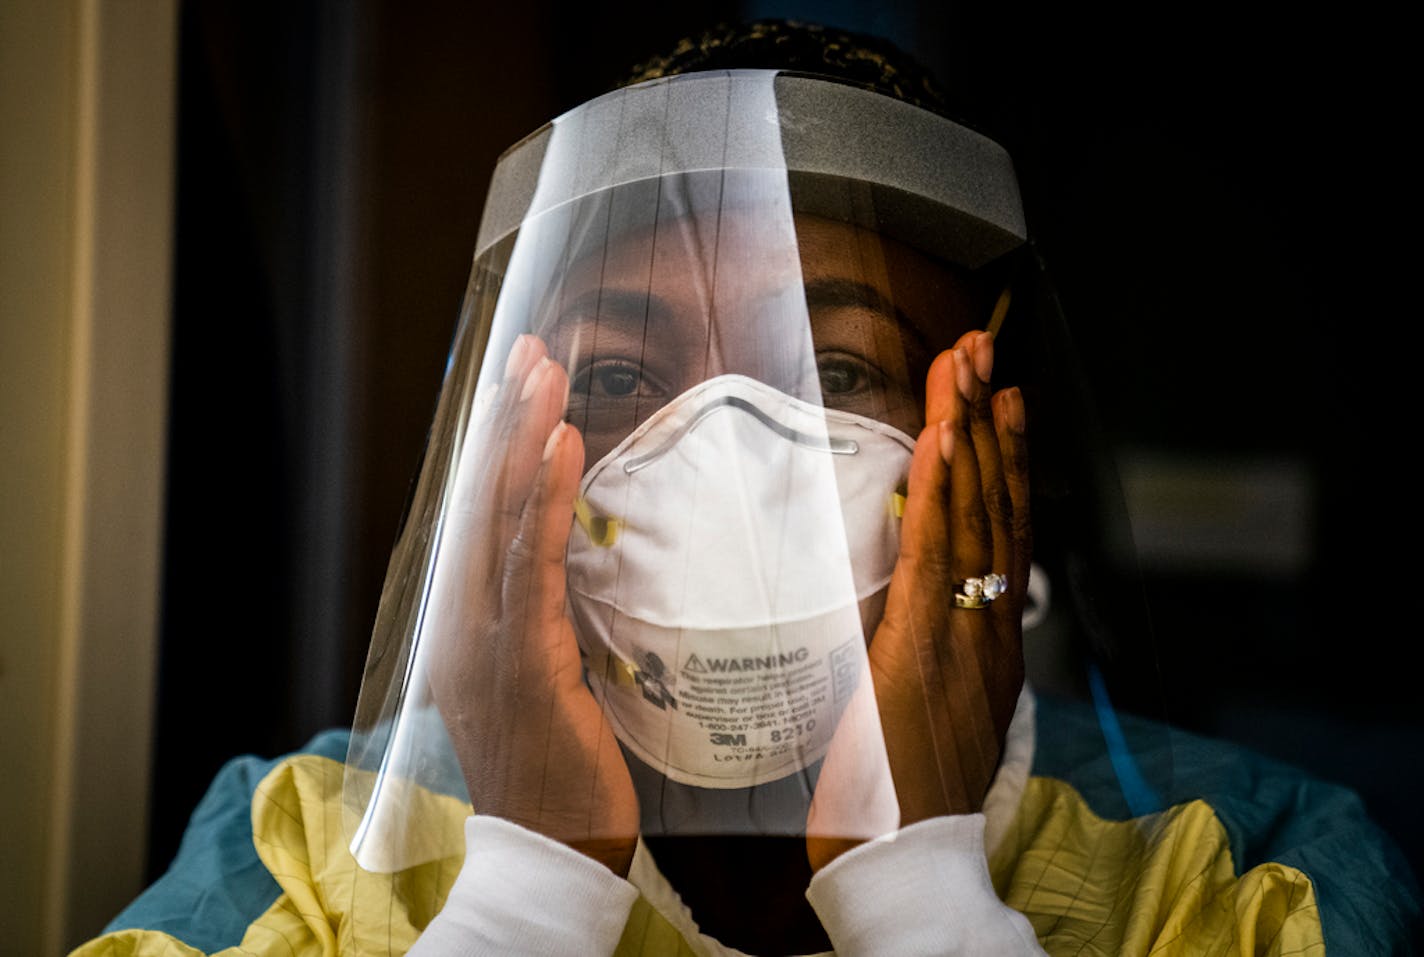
<point x="715" y="581"/>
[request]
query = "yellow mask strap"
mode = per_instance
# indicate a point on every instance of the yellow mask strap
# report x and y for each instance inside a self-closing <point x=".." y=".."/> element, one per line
<point x="602" y="531"/>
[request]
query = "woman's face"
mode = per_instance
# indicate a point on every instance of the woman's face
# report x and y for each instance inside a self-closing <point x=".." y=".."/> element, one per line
<point x="658" y="312"/>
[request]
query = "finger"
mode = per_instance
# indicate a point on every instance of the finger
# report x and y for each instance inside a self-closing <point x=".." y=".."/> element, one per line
<point x="543" y="396"/>
<point x="519" y="365"/>
<point x="923" y="564"/>
<point x="971" y="656"/>
<point x="941" y="388"/>
<point x="535" y="573"/>
<point x="1010" y="424"/>
<point x="972" y="536"/>
<point x="527" y="350"/>
<point x="958" y="385"/>
<point x="488" y="426"/>
<point x="979" y="367"/>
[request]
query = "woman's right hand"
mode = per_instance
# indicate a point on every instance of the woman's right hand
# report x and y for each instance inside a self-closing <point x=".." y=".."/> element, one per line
<point x="532" y="742"/>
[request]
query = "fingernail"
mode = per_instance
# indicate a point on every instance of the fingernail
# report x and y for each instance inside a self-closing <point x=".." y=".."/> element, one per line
<point x="984" y="357"/>
<point x="963" y="373"/>
<point x="536" y="378"/>
<point x="518" y="355"/>
<point x="1014" y="410"/>
<point x="553" y="440"/>
<point x="946" y="441"/>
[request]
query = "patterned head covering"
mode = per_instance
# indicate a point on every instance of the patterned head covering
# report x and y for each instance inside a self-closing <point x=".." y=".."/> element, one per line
<point x="860" y="59"/>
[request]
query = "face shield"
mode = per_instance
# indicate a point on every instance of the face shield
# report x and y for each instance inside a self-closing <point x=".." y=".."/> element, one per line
<point x="661" y="505"/>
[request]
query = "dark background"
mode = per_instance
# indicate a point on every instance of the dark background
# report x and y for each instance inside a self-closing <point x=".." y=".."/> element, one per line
<point x="1216" y="192"/>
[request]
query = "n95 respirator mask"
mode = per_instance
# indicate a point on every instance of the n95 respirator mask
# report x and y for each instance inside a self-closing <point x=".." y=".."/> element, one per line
<point x="715" y="577"/>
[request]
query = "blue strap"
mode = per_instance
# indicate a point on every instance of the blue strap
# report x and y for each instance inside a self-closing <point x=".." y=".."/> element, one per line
<point x="1141" y="797"/>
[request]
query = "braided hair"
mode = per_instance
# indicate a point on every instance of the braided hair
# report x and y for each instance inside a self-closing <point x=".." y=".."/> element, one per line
<point x="859" y="59"/>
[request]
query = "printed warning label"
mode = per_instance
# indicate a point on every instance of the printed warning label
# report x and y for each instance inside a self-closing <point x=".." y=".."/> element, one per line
<point x="845" y="670"/>
<point x="737" y="707"/>
<point x="763" y="708"/>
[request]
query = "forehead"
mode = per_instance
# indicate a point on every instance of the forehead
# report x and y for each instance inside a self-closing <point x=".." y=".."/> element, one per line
<point x="739" y="267"/>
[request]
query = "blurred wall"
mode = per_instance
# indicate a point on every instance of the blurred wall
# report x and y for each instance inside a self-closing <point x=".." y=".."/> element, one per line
<point x="86" y="171"/>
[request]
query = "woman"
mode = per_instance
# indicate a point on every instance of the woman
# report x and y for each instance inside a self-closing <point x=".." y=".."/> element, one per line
<point x="715" y="574"/>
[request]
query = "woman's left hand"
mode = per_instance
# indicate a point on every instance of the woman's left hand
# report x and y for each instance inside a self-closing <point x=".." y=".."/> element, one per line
<point x="945" y="679"/>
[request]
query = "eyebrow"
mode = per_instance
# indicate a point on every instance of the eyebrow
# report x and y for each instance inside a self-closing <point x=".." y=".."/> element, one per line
<point x="837" y="292"/>
<point x="611" y="303"/>
<point x="842" y="293"/>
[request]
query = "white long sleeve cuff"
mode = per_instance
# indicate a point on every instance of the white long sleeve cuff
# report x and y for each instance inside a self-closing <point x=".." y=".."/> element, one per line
<point x="522" y="893"/>
<point x="924" y="890"/>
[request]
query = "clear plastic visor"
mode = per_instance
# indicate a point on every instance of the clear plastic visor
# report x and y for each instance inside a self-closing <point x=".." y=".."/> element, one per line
<point x="657" y="521"/>
<point x="744" y="385"/>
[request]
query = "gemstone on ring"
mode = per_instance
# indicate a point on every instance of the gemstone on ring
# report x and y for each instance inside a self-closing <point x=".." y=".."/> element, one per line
<point x="979" y="592"/>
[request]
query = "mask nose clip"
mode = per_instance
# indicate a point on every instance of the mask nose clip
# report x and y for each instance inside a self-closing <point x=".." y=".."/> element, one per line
<point x="803" y="439"/>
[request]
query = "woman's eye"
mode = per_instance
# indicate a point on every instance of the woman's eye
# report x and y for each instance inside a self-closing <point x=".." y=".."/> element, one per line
<point x="612" y="379"/>
<point x="842" y="375"/>
<point x="616" y="381"/>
